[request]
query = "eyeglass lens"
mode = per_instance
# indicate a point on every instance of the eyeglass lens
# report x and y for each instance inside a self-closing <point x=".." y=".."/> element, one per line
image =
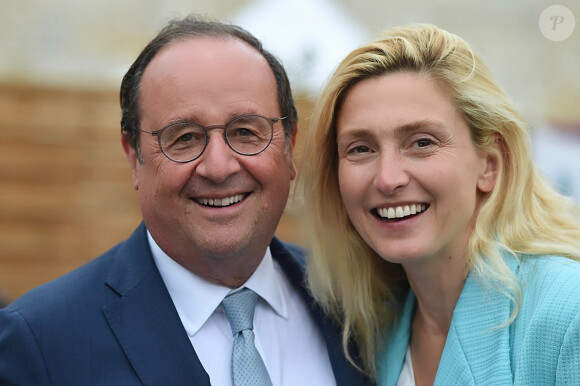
<point x="246" y="135"/>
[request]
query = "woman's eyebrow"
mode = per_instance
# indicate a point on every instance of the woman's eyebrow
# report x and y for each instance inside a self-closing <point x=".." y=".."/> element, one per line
<point x="354" y="133"/>
<point x="417" y="126"/>
<point x="399" y="130"/>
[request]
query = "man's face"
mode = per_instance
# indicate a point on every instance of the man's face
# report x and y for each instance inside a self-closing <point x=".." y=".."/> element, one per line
<point x="209" y="82"/>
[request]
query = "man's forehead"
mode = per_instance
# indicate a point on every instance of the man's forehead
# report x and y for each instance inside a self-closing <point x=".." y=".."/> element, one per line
<point x="207" y="49"/>
<point x="205" y="78"/>
<point x="210" y="60"/>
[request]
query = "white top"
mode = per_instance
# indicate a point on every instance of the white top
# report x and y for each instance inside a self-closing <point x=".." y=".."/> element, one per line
<point x="291" y="346"/>
<point x="407" y="377"/>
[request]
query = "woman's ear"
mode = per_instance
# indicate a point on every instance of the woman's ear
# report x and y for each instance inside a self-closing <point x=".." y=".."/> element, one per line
<point x="491" y="164"/>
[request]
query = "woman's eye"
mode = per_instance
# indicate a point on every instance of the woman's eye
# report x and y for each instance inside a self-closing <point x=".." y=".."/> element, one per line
<point x="359" y="149"/>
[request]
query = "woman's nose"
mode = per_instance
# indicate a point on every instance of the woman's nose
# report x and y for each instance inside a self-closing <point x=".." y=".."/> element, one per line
<point x="392" y="173"/>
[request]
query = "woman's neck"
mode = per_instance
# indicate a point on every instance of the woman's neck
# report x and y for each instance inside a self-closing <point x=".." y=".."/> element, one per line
<point x="437" y="286"/>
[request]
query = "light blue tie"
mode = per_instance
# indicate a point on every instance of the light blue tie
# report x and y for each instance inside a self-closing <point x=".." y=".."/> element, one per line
<point x="248" y="368"/>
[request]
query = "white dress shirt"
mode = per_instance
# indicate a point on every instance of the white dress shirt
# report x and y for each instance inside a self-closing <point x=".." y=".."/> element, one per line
<point x="287" y="338"/>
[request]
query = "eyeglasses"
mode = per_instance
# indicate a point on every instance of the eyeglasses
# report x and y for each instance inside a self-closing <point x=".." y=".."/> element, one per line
<point x="186" y="141"/>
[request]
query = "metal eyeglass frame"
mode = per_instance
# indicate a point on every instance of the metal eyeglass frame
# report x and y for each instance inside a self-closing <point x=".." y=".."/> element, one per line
<point x="158" y="133"/>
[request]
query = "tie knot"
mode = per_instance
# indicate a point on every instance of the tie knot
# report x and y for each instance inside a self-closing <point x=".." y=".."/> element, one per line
<point x="239" y="308"/>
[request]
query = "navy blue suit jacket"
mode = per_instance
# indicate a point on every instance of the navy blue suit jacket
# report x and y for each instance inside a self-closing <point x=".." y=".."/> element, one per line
<point x="112" y="322"/>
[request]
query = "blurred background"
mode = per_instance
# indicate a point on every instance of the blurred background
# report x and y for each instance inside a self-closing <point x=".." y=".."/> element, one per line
<point x="65" y="186"/>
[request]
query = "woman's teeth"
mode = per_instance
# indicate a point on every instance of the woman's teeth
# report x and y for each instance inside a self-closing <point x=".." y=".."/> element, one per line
<point x="401" y="211"/>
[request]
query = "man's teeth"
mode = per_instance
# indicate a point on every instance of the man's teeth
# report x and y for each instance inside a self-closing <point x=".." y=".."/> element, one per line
<point x="221" y="201"/>
<point x="401" y="211"/>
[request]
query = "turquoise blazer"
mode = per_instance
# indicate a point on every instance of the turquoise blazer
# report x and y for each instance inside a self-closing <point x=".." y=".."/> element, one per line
<point x="541" y="346"/>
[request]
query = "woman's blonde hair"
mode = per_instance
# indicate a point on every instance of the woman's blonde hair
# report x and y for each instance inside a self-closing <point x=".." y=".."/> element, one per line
<point x="521" y="216"/>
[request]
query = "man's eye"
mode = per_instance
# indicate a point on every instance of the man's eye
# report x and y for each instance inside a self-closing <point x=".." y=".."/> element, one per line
<point x="423" y="142"/>
<point x="244" y="132"/>
<point x="185" y="137"/>
<point x="181" y="136"/>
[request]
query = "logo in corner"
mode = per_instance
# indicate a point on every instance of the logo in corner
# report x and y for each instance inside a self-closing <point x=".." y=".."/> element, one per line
<point x="557" y="23"/>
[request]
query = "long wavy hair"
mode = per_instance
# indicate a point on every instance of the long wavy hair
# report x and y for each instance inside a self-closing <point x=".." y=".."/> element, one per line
<point x="522" y="216"/>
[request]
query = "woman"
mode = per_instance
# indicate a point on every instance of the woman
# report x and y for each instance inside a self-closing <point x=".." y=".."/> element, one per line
<point x="435" y="240"/>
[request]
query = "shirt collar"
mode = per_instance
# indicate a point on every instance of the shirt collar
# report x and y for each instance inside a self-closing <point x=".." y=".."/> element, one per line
<point x="196" y="298"/>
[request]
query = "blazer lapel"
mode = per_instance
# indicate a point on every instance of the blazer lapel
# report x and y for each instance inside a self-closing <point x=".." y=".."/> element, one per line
<point x="477" y="350"/>
<point x="392" y="356"/>
<point x="145" y="321"/>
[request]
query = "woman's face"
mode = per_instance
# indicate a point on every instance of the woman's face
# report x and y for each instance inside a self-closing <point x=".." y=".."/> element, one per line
<point x="409" y="174"/>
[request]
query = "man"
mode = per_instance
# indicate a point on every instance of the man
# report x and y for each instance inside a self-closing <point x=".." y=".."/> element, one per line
<point x="208" y="127"/>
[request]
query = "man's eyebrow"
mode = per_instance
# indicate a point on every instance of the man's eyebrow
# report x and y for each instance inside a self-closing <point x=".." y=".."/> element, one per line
<point x="179" y="120"/>
<point x="239" y="113"/>
<point x="227" y="118"/>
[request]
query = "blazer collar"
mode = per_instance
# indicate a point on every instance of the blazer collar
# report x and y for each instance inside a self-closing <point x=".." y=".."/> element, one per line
<point x="390" y="361"/>
<point x="149" y="330"/>
<point x="478" y="343"/>
<point x="477" y="348"/>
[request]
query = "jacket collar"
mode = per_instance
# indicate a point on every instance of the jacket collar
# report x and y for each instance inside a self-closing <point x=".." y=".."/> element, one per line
<point x="477" y="348"/>
<point x="478" y="343"/>
<point x="149" y="330"/>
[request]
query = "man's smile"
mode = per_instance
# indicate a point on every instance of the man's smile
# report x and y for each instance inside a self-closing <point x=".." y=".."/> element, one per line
<point x="221" y="202"/>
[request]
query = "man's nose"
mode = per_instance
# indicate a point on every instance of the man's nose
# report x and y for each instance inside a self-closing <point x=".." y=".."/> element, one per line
<point x="218" y="160"/>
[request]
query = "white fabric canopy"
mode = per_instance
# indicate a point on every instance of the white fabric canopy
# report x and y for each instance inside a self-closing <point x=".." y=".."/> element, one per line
<point x="310" y="37"/>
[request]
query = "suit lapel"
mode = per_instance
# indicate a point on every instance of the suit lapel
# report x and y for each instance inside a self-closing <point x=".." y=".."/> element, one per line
<point x="291" y="259"/>
<point x="147" y="326"/>
<point x="145" y="321"/>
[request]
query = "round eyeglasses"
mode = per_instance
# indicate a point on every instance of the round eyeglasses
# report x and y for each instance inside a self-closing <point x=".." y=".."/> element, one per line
<point x="186" y="141"/>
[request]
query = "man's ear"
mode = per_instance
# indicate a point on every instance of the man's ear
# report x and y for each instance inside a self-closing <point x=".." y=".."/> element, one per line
<point x="131" y="154"/>
<point x="492" y="161"/>
<point x="291" y="146"/>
